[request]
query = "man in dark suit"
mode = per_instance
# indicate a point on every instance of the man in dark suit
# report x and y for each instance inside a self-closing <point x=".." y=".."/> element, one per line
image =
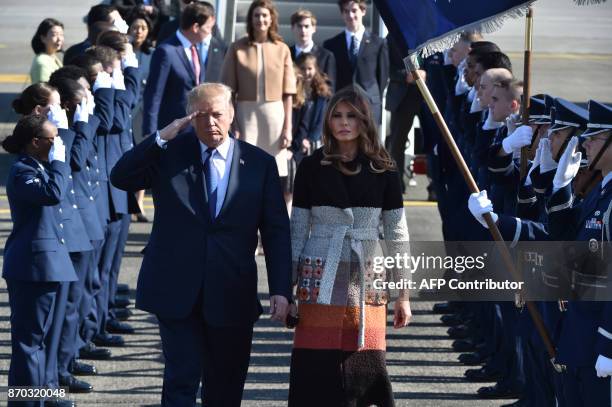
<point x="303" y="26"/>
<point x="361" y="56"/>
<point x="190" y="57"/>
<point x="404" y="102"/>
<point x="212" y="194"/>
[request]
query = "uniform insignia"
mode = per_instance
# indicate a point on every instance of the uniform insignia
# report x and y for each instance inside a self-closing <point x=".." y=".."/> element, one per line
<point x="593" y="245"/>
<point x="32" y="181"/>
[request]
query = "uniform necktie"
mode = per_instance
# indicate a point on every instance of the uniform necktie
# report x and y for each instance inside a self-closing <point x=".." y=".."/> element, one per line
<point x="195" y="60"/>
<point x="212" y="179"/>
<point x="353" y="51"/>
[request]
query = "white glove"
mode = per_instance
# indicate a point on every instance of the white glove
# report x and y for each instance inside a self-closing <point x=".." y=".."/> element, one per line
<point x="121" y="25"/>
<point x="91" y="104"/>
<point x="103" y="81"/>
<point x="479" y="204"/>
<point x="511" y="122"/>
<point x="534" y="164"/>
<point x="118" y="80"/>
<point x="569" y="164"/>
<point x="57" y="116"/>
<point x="58" y="150"/>
<point x="81" y="114"/>
<point x="603" y="366"/>
<point x="129" y="60"/>
<point x="546" y="159"/>
<point x="521" y="137"/>
<point x="476" y="106"/>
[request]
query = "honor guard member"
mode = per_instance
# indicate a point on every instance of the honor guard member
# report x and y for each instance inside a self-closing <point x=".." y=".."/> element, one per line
<point x="126" y="96"/>
<point x="36" y="259"/>
<point x="72" y="128"/>
<point x="585" y="346"/>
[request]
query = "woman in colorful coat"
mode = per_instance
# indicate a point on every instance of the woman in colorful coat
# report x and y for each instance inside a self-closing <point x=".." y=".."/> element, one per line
<point x="344" y="193"/>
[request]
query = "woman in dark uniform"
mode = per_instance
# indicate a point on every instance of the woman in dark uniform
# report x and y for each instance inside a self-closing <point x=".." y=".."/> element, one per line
<point x="35" y="256"/>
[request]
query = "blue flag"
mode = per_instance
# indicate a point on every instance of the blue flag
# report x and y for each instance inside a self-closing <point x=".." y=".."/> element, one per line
<point x="429" y="26"/>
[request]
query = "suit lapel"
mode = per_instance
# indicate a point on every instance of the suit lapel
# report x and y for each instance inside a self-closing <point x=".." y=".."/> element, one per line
<point x="189" y="184"/>
<point x="234" y="175"/>
<point x="183" y="57"/>
<point x="211" y="58"/>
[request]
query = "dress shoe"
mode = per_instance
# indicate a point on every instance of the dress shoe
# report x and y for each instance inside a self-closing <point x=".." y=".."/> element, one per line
<point x="78" y="368"/>
<point x="91" y="352"/>
<point x="451" y="319"/>
<point x="464" y="345"/>
<point x="481" y="375"/>
<point x="123" y="288"/>
<point x="141" y="218"/>
<point x="75" y="385"/>
<point x="122" y="301"/>
<point x="472" y="358"/>
<point x="497" y="392"/>
<point x="121" y="314"/>
<point x="114" y="326"/>
<point x="443" y="308"/>
<point x="108" y="340"/>
<point x="458" y="332"/>
<point x="59" y="403"/>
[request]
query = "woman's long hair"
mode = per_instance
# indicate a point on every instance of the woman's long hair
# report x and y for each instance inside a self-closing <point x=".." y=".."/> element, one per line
<point x="273" y="34"/>
<point x="368" y="142"/>
<point x="318" y="84"/>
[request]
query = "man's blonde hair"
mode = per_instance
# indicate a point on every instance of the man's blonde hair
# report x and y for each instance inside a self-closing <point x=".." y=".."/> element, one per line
<point x="208" y="90"/>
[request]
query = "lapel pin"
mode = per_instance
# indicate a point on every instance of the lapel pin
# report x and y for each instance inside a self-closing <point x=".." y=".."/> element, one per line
<point x="241" y="161"/>
<point x="215" y="49"/>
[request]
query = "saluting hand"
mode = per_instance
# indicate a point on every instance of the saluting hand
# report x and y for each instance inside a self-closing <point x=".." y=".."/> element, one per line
<point x="170" y="131"/>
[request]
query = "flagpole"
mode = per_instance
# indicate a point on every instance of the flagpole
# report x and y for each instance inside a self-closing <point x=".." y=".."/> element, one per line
<point x="473" y="187"/>
<point x="527" y="86"/>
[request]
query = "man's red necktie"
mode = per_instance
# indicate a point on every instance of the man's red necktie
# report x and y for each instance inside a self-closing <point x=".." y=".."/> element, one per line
<point x="195" y="60"/>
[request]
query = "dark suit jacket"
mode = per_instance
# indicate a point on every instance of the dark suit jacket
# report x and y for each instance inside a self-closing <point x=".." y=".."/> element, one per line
<point x="75" y="50"/>
<point x="171" y="77"/>
<point x="325" y="61"/>
<point x="371" y="70"/>
<point x="191" y="256"/>
<point x="36" y="250"/>
<point x="398" y="88"/>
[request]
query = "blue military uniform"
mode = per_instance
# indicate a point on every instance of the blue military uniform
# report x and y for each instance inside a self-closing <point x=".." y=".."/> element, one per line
<point x="586" y="329"/>
<point x="36" y="262"/>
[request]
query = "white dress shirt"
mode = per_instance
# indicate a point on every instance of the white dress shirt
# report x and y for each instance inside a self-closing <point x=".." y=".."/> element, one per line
<point x="307" y="48"/>
<point x="186" y="44"/>
<point x="358" y="37"/>
<point x="222" y="160"/>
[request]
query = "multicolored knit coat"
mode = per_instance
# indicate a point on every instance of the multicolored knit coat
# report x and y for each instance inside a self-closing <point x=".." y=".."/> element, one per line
<point x="335" y="233"/>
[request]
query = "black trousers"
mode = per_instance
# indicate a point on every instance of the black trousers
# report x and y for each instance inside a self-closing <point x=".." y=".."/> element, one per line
<point x="401" y="123"/>
<point x="195" y="351"/>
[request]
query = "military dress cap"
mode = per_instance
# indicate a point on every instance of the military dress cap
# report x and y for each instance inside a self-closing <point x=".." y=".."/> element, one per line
<point x="568" y="114"/>
<point x="600" y="119"/>
<point x="539" y="110"/>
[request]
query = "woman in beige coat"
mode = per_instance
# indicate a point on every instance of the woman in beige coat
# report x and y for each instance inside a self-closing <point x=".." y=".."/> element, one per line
<point x="259" y="70"/>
